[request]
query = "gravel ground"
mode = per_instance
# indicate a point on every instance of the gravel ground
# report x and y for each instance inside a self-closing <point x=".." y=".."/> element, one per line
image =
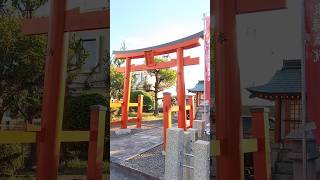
<point x="151" y="162"/>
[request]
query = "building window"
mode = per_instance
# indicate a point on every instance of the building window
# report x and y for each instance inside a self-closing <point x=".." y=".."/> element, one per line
<point x="92" y="47"/>
<point x="294" y="116"/>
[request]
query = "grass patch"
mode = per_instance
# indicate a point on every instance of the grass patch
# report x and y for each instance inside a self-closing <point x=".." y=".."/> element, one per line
<point x="76" y="164"/>
<point x="145" y="116"/>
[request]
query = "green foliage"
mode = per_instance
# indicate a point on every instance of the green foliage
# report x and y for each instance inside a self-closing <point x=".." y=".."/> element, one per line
<point x="21" y="69"/>
<point x="77" y="117"/>
<point x="10" y="159"/>
<point x="77" y="57"/>
<point x="165" y="78"/>
<point x="116" y="83"/>
<point x="27" y="7"/>
<point x="148" y="101"/>
<point x="77" y="110"/>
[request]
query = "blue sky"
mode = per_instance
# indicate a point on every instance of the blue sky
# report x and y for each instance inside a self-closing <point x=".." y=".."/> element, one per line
<point x="144" y="23"/>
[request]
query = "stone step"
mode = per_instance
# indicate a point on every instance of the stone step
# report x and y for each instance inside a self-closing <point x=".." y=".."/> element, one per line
<point x="282" y="177"/>
<point x="284" y="168"/>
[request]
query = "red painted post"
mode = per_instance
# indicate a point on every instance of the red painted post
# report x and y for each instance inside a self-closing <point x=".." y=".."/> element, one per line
<point x="227" y="92"/>
<point x="126" y="94"/>
<point x="260" y="131"/>
<point x="96" y="143"/>
<point x="53" y="97"/>
<point x="139" y="111"/>
<point x="181" y="93"/>
<point x="166" y="116"/>
<point x="191" y="111"/>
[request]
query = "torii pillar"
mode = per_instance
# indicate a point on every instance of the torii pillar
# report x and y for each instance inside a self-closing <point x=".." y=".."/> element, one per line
<point x="181" y="91"/>
<point x="59" y="22"/>
<point x="227" y="81"/>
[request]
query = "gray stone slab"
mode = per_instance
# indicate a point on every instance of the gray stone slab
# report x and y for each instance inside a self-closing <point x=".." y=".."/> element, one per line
<point x="187" y="159"/>
<point x="200" y="126"/>
<point x="201" y="160"/>
<point x="174" y="154"/>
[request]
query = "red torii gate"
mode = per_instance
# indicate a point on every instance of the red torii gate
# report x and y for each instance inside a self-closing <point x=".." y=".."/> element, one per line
<point x="227" y="81"/>
<point x="60" y="21"/>
<point x="177" y="46"/>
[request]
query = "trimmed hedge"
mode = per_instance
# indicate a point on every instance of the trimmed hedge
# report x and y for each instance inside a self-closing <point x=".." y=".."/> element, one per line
<point x="77" y="117"/>
<point x="77" y="110"/>
<point x="148" y="100"/>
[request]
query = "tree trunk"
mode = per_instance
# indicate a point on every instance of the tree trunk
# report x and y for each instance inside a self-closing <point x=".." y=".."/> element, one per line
<point x="156" y="106"/>
<point x="156" y="91"/>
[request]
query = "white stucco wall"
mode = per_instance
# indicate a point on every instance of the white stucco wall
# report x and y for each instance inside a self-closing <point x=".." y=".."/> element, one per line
<point x="264" y="40"/>
<point x="85" y="5"/>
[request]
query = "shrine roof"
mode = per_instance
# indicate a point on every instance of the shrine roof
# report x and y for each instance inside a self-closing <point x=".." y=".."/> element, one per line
<point x="285" y="81"/>
<point x="199" y="87"/>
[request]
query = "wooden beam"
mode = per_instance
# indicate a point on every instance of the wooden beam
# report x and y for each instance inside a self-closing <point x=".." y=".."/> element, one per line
<point x="75" y="21"/>
<point x="249" y="145"/>
<point x="74" y="136"/>
<point x="16" y="137"/>
<point x="166" y="49"/>
<point x="188" y="61"/>
<point x="253" y="6"/>
<point x="174" y="108"/>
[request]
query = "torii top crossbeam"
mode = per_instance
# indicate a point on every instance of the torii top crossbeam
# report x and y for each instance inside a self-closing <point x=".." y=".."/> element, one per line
<point x="170" y="47"/>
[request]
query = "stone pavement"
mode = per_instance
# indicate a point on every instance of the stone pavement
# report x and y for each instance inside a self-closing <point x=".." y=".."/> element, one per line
<point x="124" y="147"/>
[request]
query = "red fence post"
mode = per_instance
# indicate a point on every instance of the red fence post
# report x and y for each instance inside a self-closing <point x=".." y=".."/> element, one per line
<point x="166" y="116"/>
<point x="191" y="111"/>
<point x="96" y="143"/>
<point x="260" y="131"/>
<point x="139" y="111"/>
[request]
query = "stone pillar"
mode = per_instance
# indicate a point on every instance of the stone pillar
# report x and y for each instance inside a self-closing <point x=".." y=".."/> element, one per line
<point x="174" y="154"/>
<point x="295" y="155"/>
<point x="186" y="158"/>
<point x="193" y="138"/>
<point x="201" y="160"/>
<point x="200" y="126"/>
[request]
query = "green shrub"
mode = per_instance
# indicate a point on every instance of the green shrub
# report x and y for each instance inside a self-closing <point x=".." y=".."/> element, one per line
<point x="77" y="110"/>
<point x="148" y="100"/>
<point x="11" y="159"/>
<point x="77" y="117"/>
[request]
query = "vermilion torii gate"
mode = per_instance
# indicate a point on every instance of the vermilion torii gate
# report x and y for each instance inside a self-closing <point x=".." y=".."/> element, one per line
<point x="227" y="82"/>
<point x="149" y="53"/>
<point x="49" y="137"/>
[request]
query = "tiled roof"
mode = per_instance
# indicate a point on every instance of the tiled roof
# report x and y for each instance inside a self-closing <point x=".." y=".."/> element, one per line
<point x="285" y="81"/>
<point x="199" y="87"/>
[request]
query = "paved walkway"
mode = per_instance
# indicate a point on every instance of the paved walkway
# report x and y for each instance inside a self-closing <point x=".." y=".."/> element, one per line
<point x="124" y="147"/>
